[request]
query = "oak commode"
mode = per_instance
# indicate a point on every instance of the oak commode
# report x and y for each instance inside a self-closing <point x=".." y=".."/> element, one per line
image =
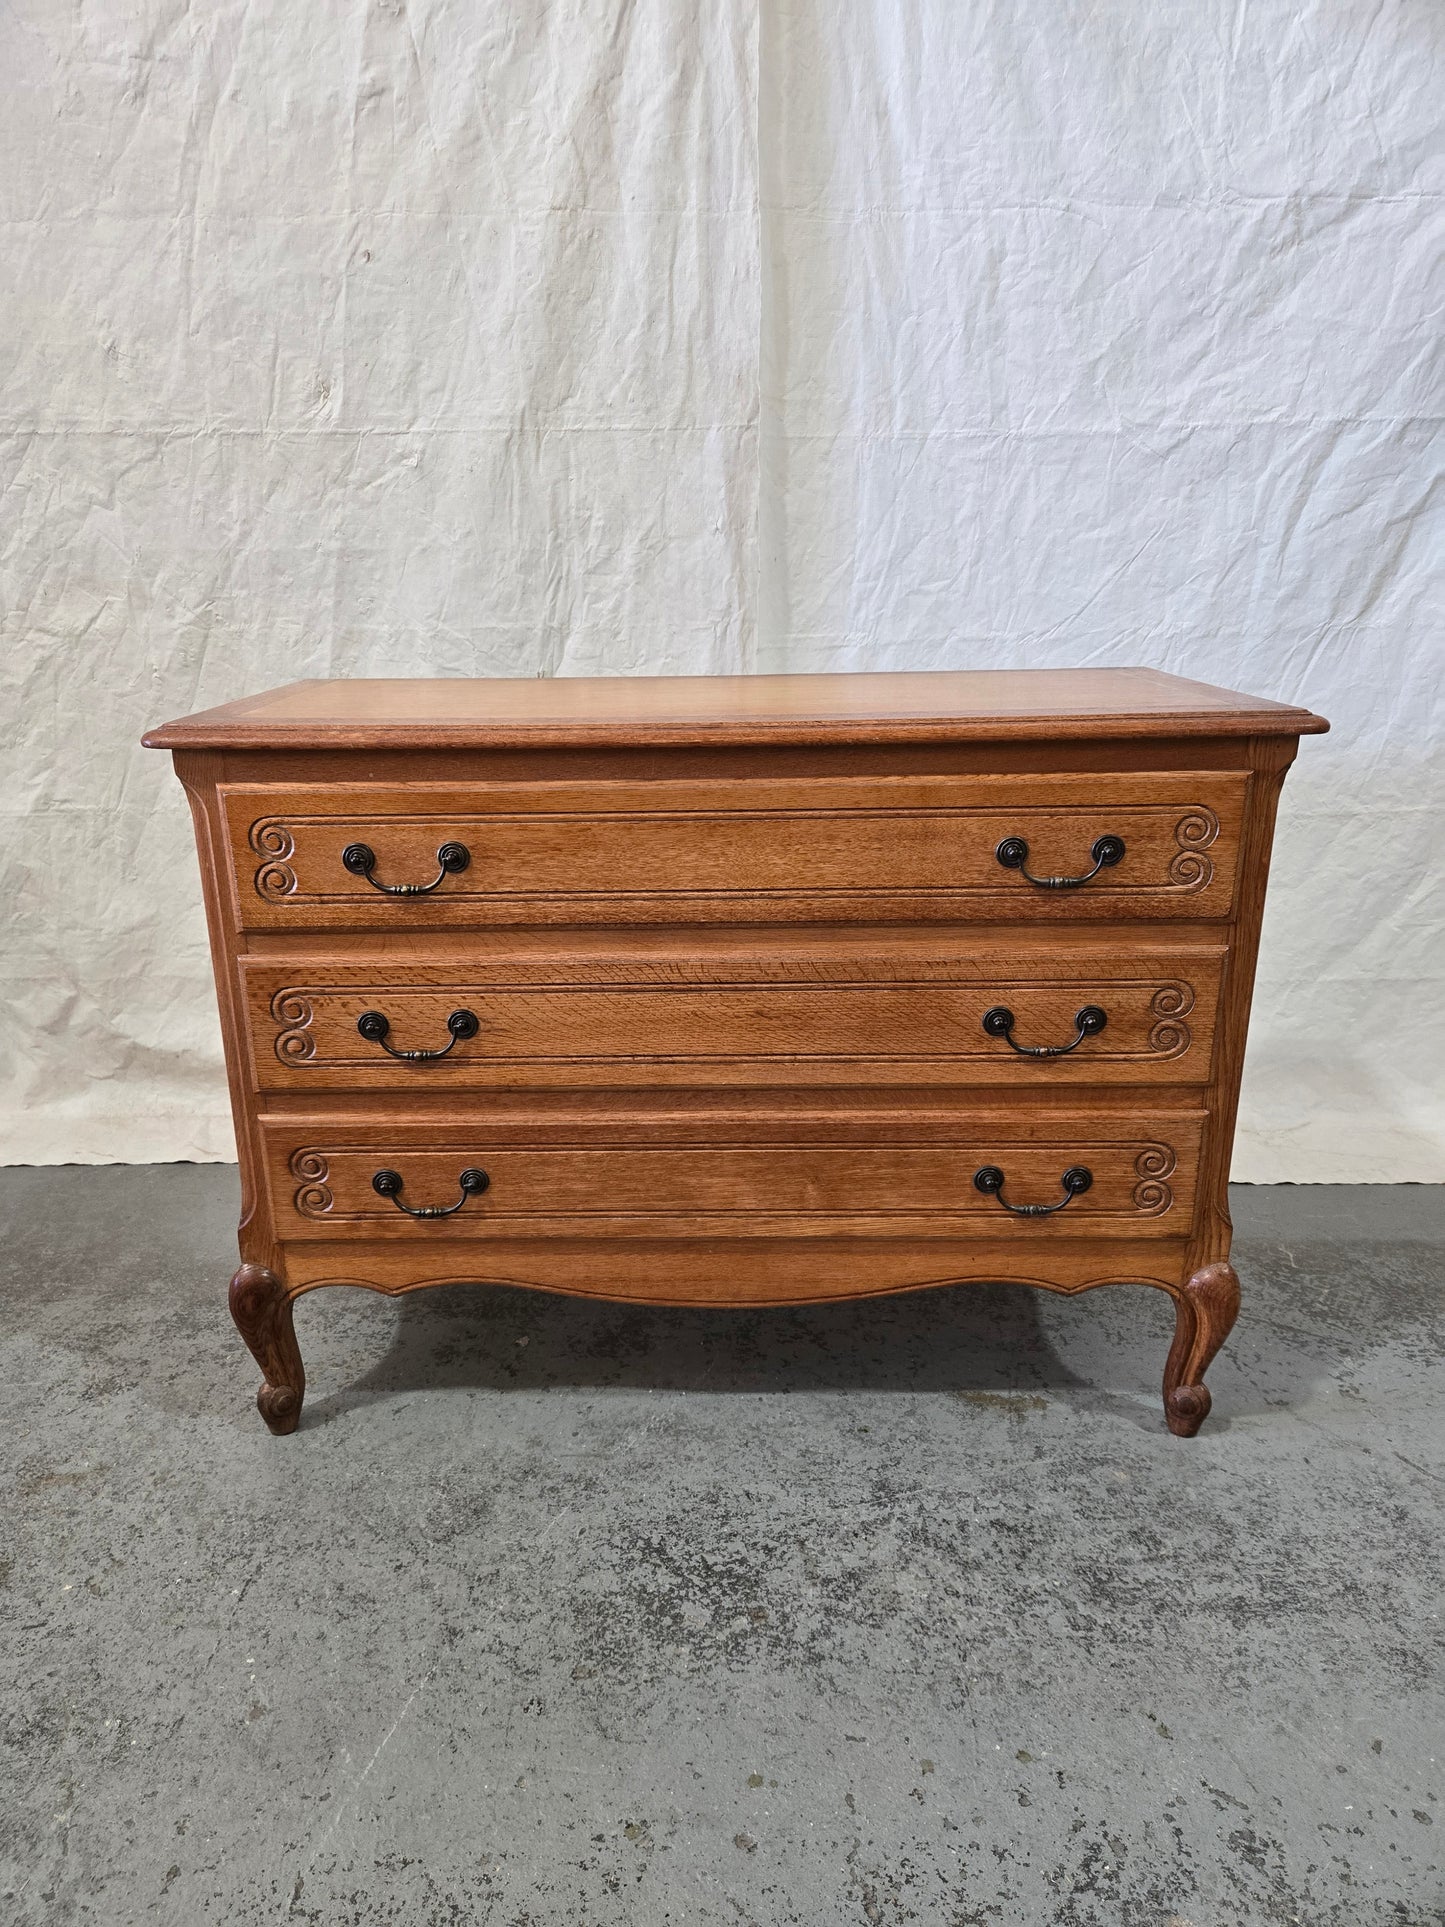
<point x="736" y="990"/>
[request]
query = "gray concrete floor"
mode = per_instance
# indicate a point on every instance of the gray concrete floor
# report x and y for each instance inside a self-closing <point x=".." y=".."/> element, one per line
<point x="559" y="1613"/>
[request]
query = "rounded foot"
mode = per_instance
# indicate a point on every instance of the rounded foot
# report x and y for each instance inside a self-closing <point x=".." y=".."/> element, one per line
<point x="1186" y="1409"/>
<point x="280" y="1406"/>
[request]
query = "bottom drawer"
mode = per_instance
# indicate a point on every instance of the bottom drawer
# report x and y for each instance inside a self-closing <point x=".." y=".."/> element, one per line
<point x="810" y="1177"/>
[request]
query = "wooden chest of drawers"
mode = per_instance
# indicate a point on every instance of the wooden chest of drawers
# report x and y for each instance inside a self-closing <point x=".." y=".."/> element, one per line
<point x="737" y="991"/>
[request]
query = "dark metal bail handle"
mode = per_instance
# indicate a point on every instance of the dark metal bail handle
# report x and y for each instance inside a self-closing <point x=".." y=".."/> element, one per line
<point x="375" y="1026"/>
<point x="1013" y="854"/>
<point x="360" y="859"/>
<point x="1088" y="1022"/>
<point x="1076" y="1180"/>
<point x="387" y="1184"/>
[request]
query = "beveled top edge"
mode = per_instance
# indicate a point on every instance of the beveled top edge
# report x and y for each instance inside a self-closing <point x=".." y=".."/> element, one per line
<point x="918" y="706"/>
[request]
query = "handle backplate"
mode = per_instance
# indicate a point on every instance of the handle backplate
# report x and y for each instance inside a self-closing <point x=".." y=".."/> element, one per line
<point x="388" y="1184"/>
<point x="375" y="1027"/>
<point x="360" y="860"/>
<point x="1013" y="854"/>
<point x="1076" y="1180"/>
<point x="1088" y="1022"/>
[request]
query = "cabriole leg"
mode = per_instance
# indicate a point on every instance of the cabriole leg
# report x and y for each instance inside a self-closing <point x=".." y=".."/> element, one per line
<point x="1204" y="1312"/>
<point x="262" y="1312"/>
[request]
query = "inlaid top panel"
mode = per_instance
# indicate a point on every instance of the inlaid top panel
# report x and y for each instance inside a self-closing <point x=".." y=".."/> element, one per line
<point x="923" y="706"/>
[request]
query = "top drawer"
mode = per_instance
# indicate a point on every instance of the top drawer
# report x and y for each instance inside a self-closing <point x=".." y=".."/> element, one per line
<point x="865" y="849"/>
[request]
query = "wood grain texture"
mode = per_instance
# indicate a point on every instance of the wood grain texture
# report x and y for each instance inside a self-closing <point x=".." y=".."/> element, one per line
<point x="791" y="1014"/>
<point x="828" y="1180"/>
<point x="888" y="850"/>
<point x="262" y="1311"/>
<point x="1271" y="759"/>
<point x="200" y="773"/>
<point x="729" y="944"/>
<point x="732" y="1273"/>
<point x="1205" y="1311"/>
<point x="922" y="706"/>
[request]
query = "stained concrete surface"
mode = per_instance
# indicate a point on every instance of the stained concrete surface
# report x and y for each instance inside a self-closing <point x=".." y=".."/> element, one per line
<point x="556" y="1612"/>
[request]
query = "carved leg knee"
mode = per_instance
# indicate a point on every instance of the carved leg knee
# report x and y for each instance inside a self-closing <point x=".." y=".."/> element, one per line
<point x="1204" y="1313"/>
<point x="262" y="1312"/>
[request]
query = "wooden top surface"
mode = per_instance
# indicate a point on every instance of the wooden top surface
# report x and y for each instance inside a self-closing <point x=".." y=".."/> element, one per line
<point x="977" y="705"/>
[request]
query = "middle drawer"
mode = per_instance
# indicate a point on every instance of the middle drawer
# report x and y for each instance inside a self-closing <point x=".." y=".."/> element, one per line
<point x="931" y="1012"/>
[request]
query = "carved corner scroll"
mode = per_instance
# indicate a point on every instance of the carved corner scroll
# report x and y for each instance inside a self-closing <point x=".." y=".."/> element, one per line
<point x="1170" y="1005"/>
<point x="313" y="1199"/>
<point x="1153" y="1166"/>
<point x="1194" y="832"/>
<point x="272" y="841"/>
<point x="295" y="1043"/>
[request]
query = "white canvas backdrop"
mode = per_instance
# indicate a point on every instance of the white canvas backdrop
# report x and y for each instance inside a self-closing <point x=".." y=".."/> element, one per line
<point x="412" y="336"/>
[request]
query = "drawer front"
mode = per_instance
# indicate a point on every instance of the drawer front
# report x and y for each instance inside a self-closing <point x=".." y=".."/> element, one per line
<point x="918" y="849"/>
<point x="598" y="1183"/>
<point x="794" y="1017"/>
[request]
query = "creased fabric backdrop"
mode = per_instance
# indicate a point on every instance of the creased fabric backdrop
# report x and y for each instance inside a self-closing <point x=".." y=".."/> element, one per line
<point x="561" y="337"/>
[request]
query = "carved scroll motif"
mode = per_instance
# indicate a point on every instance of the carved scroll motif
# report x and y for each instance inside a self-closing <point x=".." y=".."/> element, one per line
<point x="314" y="1199"/>
<point x="295" y="1044"/>
<point x="270" y="839"/>
<point x="1194" y="832"/>
<point x="1171" y="1003"/>
<point x="1152" y="1196"/>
